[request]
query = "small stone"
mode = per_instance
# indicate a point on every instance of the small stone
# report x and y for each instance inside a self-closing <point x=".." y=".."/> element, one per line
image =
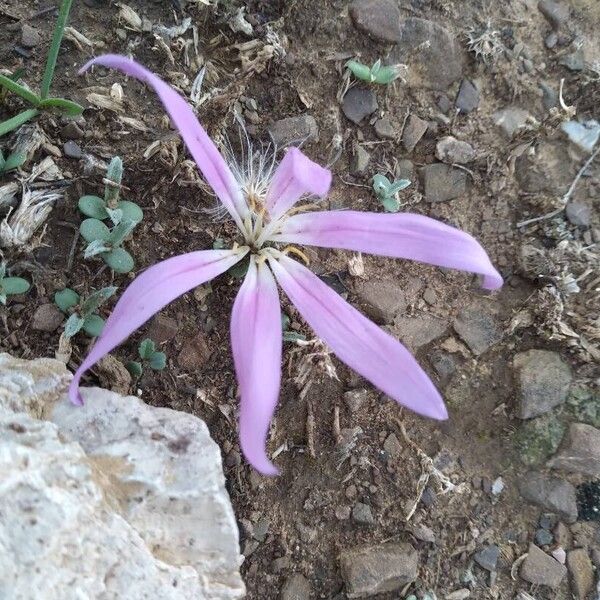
<point x="72" y="131"/>
<point x="423" y="533"/>
<point x="511" y="119"/>
<point x="360" y="161"/>
<point x="113" y="374"/>
<point x="47" y="317"/>
<point x="343" y="512"/>
<point x="406" y="169"/>
<point x="556" y="13"/>
<point x="382" y="299"/>
<point x="560" y="555"/>
<point x="296" y="587"/>
<point x="194" y="354"/>
<point x="72" y="150"/>
<point x="548" y="168"/>
<point x="487" y="558"/>
<point x="443" y="363"/>
<point x="544" y="381"/>
<point x="541" y="569"/>
<point x="551" y="40"/>
<point x="429" y="497"/>
<point x="579" y="213"/>
<point x="548" y="521"/>
<point x="414" y="130"/>
<point x="549" y="96"/>
<point x="307" y="534"/>
<point x="392" y="446"/>
<point x="371" y="570"/>
<point x="543" y="537"/>
<point x="294" y="130"/>
<point x="30" y="36"/>
<point x="478" y="329"/>
<point x="450" y="150"/>
<point x="416" y="332"/>
<point x="233" y="459"/>
<point x="384" y="129"/>
<point x="468" y="97"/>
<point x="377" y="18"/>
<point x="359" y="103"/>
<point x="362" y="514"/>
<point x="430" y="296"/>
<point x="552" y="494"/>
<point x="581" y="571"/>
<point x="162" y="329"/>
<point x="562" y="535"/>
<point x="444" y="104"/>
<point x="281" y="564"/>
<point x="443" y="182"/>
<point x="580" y="452"/>
<point x="355" y="399"/>
<point x="575" y="61"/>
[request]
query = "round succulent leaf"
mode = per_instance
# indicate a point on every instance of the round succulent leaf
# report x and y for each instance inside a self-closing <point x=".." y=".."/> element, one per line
<point x="381" y="184"/>
<point x="15" y="285"/>
<point x="73" y="325"/>
<point x="390" y="204"/>
<point x="146" y="349"/>
<point x="135" y="368"/>
<point x="66" y="299"/>
<point x="360" y="71"/>
<point x="93" y="325"/>
<point x="131" y="211"/>
<point x="119" y="260"/>
<point x="93" y="206"/>
<point x="158" y="361"/>
<point x="94" y="229"/>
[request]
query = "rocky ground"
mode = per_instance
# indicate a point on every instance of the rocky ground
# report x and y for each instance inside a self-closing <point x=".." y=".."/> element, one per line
<point x="494" y="124"/>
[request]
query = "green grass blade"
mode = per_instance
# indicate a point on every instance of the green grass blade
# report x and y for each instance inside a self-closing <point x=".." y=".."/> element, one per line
<point x="18" y="120"/>
<point x="19" y="90"/>
<point x="57" y="36"/>
<point x="66" y="107"/>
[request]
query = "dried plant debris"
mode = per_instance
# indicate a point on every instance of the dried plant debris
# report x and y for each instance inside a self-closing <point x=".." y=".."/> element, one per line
<point x="485" y="42"/>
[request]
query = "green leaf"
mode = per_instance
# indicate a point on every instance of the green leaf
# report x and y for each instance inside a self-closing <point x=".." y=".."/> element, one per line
<point x="93" y="325"/>
<point x="2" y="270"/>
<point x="360" y="71"/>
<point x="96" y="300"/>
<point x="2" y="297"/>
<point x="59" y="30"/>
<point x="219" y="244"/>
<point x="20" y="90"/>
<point x="135" y="368"/>
<point x="66" y="299"/>
<point x="115" y="214"/>
<point x="94" y="229"/>
<point x="158" y="361"/>
<point x="398" y="185"/>
<point x="386" y="75"/>
<point x="381" y="185"/>
<point x="2" y="161"/>
<point x="285" y="322"/>
<point x="93" y="206"/>
<point x="64" y="106"/>
<point x="114" y="173"/>
<point x="73" y="325"/>
<point x="18" y="120"/>
<point x="131" y="211"/>
<point x="119" y="260"/>
<point x="240" y="269"/>
<point x="94" y="248"/>
<point x="14" y="285"/>
<point x="390" y="204"/>
<point x="120" y="232"/>
<point x="146" y="349"/>
<point x="292" y="336"/>
<point x="14" y="161"/>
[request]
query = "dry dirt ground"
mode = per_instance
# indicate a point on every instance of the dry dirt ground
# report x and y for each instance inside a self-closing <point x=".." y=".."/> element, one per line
<point x="353" y="463"/>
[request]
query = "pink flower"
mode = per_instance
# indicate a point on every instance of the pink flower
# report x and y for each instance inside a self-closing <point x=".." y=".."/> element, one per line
<point x="262" y="210"/>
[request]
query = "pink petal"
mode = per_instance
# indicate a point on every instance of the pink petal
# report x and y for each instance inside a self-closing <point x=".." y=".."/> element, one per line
<point x="210" y="162"/>
<point x="358" y="342"/>
<point x="295" y="176"/>
<point x="148" y="293"/>
<point x="402" y="235"/>
<point x="256" y="340"/>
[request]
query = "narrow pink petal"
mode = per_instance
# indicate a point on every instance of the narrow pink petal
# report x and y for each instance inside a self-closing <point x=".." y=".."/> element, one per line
<point x="358" y="342"/>
<point x="256" y="340"/>
<point x="295" y="176"/>
<point x="150" y="292"/>
<point x="210" y="162"/>
<point x="402" y="235"/>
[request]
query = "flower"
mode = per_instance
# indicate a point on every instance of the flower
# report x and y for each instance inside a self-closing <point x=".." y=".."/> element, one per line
<point x="264" y="209"/>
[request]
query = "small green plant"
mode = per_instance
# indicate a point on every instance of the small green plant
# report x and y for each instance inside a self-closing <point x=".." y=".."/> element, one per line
<point x="376" y="73"/>
<point x="288" y="334"/>
<point x="148" y="356"/>
<point x="83" y="314"/>
<point x="13" y="161"/>
<point x="43" y="101"/>
<point x="11" y="286"/>
<point x="387" y="191"/>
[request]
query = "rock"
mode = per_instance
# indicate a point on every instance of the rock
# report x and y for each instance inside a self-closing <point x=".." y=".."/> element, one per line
<point x="195" y="353"/>
<point x="72" y="150"/>
<point x="549" y="96"/>
<point x="552" y="494"/>
<point x="423" y="533"/>
<point x="477" y="328"/>
<point x="556" y="13"/>
<point x="543" y="381"/>
<point x="360" y="161"/>
<point x="541" y="569"/>
<point x="72" y="131"/>
<point x="579" y="213"/>
<point x="430" y="296"/>
<point x="580" y="452"/>
<point x="355" y="399"/>
<point x="575" y="61"/>
<point x="511" y="119"/>
<point x="162" y="329"/>
<point x="296" y="587"/>
<point x="113" y="374"/>
<point x="543" y="537"/>
<point x="539" y="438"/>
<point x="450" y="150"/>
<point x="487" y="558"/>
<point x="560" y="555"/>
<point x="392" y="446"/>
<point x="47" y="317"/>
<point x="381" y="299"/>
<point x="434" y="57"/>
<point x="30" y="36"/>
<point x="468" y="97"/>
<point x="443" y="182"/>
<point x="562" y="535"/>
<point x="548" y="168"/>
<point x="406" y="169"/>
<point x="294" y="130"/>
<point x="384" y="129"/>
<point x="584" y="135"/>
<point x="443" y="363"/>
<point x="551" y="40"/>
<point x="415" y="332"/>
<point x="581" y="571"/>
<point x="378" y="18"/>
<point x="371" y="570"/>
<point x="414" y="130"/>
<point x="359" y="103"/>
<point x="362" y="514"/>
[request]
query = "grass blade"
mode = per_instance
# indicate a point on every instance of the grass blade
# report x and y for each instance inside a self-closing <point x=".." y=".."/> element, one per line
<point x="19" y="90"/>
<point x="66" y="107"/>
<point x="57" y="36"/>
<point x="18" y="120"/>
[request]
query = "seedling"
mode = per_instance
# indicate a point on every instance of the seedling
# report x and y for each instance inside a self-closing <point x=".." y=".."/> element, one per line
<point x="376" y="73"/>
<point x="43" y="101"/>
<point x="106" y="243"/>
<point x="11" y="286"/>
<point x="387" y="192"/>
<point x="149" y="356"/>
<point x="290" y="335"/>
<point x="83" y="314"/>
<point x="13" y="161"/>
<point x="110" y="207"/>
